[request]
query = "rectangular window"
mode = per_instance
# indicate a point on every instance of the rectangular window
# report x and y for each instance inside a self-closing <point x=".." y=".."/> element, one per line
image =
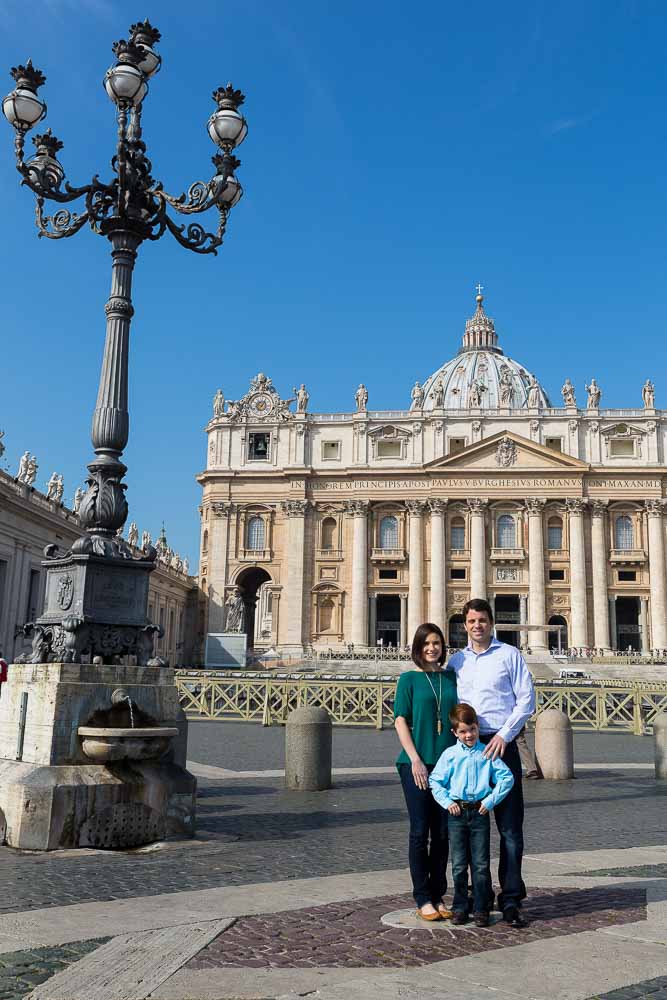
<point x="556" y="574"/>
<point x="32" y="609"/>
<point x="388" y="574"/>
<point x="627" y="576"/>
<point x="457" y="573"/>
<point x="622" y="448"/>
<point x="330" y="450"/>
<point x="150" y="613"/>
<point x="170" y="633"/>
<point x="258" y="446"/>
<point x="455" y="444"/>
<point x="556" y="444"/>
<point x="389" y="449"/>
<point x="458" y="537"/>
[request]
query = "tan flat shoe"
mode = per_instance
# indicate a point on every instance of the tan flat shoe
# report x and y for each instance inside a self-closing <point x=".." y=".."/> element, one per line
<point x="444" y="912"/>
<point x="428" y="916"/>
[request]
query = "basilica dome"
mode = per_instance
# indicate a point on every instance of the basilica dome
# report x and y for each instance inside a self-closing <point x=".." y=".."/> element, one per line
<point x="481" y="376"/>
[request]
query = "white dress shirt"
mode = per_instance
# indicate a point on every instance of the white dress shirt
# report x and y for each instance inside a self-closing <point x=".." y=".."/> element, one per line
<point x="498" y="685"/>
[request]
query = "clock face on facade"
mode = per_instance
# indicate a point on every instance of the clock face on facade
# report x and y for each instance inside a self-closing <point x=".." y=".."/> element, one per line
<point x="261" y="404"/>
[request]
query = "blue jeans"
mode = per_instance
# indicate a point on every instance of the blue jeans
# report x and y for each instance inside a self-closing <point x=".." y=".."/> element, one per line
<point x="470" y="844"/>
<point x="429" y="844"/>
<point x="509" y="822"/>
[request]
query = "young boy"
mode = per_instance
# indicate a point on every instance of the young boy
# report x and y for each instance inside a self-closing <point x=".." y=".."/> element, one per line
<point x="468" y="785"/>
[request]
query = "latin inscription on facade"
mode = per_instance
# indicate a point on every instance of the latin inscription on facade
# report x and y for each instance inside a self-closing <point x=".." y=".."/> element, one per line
<point x="474" y="483"/>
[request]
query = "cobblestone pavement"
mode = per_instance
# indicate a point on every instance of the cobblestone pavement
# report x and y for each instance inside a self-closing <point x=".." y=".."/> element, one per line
<point x="254" y="830"/>
<point x="21" y="971"/>
<point x="637" y="871"/>
<point x="351" y="935"/>
<point x="651" y="989"/>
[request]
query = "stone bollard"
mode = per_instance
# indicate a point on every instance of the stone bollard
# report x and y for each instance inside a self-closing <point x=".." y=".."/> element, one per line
<point x="554" y="747"/>
<point x="660" y="743"/>
<point x="308" y="750"/>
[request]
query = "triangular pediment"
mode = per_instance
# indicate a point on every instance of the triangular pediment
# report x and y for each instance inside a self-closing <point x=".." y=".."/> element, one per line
<point x="508" y="452"/>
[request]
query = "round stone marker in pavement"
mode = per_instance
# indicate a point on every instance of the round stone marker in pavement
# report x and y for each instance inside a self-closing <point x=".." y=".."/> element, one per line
<point x="554" y="747"/>
<point x="408" y="920"/>
<point x="308" y="750"/>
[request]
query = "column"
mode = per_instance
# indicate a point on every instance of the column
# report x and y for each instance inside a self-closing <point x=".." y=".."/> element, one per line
<point x="643" y="625"/>
<point x="404" y="620"/>
<point x="295" y="510"/>
<point x="656" y="569"/>
<point x="373" y="619"/>
<point x="578" y="615"/>
<point x="358" y="511"/>
<point x="599" y="564"/>
<point x="477" y="508"/>
<point x="415" y="510"/>
<point x="438" y="607"/>
<point x="537" y="611"/>
<point x="218" y="553"/>
<point x="612" y="622"/>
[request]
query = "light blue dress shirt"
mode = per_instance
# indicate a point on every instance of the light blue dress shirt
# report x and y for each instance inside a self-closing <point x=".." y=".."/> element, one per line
<point x="464" y="774"/>
<point x="498" y="685"/>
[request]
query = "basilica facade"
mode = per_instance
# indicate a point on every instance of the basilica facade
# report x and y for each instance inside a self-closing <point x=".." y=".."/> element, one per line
<point x="354" y="527"/>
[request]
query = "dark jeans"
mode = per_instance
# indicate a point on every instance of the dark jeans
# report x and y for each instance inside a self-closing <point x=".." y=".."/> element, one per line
<point x="509" y="821"/>
<point x="428" y="846"/>
<point x="470" y="843"/>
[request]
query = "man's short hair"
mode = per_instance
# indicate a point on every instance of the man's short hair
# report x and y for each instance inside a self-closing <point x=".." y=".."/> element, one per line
<point x="477" y="604"/>
<point x="463" y="715"/>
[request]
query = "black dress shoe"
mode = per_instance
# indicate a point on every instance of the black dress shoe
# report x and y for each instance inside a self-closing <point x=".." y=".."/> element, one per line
<point x="481" y="919"/>
<point x="459" y="917"/>
<point x="512" y="916"/>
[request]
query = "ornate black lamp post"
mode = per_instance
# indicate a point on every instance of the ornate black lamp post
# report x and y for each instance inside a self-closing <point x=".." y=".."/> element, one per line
<point x="96" y="595"/>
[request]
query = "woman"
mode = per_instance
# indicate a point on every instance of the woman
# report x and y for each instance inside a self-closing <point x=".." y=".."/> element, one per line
<point x="424" y="696"/>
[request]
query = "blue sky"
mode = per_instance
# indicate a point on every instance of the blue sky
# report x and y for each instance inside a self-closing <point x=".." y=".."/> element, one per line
<point x="397" y="155"/>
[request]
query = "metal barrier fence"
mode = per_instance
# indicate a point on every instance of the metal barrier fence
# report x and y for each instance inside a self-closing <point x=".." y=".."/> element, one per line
<point x="610" y="708"/>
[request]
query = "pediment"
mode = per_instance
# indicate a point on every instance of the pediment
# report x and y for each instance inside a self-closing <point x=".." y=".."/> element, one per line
<point x="508" y="452"/>
<point x="623" y="429"/>
<point x="389" y="432"/>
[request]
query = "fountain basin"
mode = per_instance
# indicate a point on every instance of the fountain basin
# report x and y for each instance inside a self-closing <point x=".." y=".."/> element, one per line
<point x="104" y="745"/>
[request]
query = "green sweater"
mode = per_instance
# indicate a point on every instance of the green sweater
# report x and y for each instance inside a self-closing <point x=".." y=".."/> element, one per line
<point x="417" y="704"/>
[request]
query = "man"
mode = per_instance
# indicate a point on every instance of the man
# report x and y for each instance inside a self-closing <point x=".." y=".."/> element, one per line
<point x="493" y="677"/>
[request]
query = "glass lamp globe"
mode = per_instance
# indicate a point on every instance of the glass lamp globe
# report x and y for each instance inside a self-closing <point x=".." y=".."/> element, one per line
<point x="151" y="61"/>
<point x="231" y="193"/>
<point x="23" y="108"/>
<point x="227" y="128"/>
<point x="126" y="84"/>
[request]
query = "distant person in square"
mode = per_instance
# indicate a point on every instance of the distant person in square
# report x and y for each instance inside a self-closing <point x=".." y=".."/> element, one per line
<point x="469" y="785"/>
<point x="492" y="676"/>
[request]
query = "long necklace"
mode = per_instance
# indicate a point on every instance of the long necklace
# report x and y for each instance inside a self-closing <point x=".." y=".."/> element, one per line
<point x="438" y="699"/>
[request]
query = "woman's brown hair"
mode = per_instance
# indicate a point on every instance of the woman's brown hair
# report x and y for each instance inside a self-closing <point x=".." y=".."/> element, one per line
<point x="419" y="641"/>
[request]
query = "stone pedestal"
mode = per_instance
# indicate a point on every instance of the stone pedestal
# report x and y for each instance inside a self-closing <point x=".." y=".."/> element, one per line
<point x="660" y="744"/>
<point x="52" y="796"/>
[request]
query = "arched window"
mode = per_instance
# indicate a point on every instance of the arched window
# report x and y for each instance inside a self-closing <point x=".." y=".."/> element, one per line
<point x="506" y="530"/>
<point x="204" y="544"/>
<point x="555" y="533"/>
<point x="328" y="532"/>
<point x="389" y="532"/>
<point x="623" y="533"/>
<point x="326" y="614"/>
<point x="255" y="533"/>
<point x="458" y="533"/>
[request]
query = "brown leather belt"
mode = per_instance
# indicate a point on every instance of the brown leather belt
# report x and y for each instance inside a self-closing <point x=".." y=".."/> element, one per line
<point x="469" y="805"/>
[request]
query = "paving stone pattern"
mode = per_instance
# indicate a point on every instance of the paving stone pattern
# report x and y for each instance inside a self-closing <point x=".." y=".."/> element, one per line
<point x="256" y="831"/>
<point x="636" y="871"/>
<point x="21" y="971"/>
<point x="650" y="989"/>
<point x="351" y="935"/>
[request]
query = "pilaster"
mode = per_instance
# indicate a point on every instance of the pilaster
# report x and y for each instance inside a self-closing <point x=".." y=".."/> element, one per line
<point x="358" y="511"/>
<point x="575" y="507"/>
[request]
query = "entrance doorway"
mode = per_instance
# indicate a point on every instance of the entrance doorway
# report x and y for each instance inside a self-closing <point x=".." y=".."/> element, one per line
<point x="553" y="636"/>
<point x="628" y="631"/>
<point x="388" y="627"/>
<point x="248" y="583"/>
<point x="507" y="613"/>
<point x="458" y="637"/>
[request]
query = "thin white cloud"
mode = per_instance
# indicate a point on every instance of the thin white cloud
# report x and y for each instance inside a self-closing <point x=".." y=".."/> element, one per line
<point x="566" y="124"/>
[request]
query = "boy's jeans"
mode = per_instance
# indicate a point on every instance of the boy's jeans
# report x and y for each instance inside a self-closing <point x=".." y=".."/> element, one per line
<point x="469" y="842"/>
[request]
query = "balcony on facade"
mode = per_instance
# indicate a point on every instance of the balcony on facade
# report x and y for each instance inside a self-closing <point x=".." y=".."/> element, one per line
<point x="329" y="553"/>
<point x="507" y="555"/>
<point x="388" y="555"/>
<point x="255" y="555"/>
<point x="628" y="556"/>
<point x="557" y="554"/>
